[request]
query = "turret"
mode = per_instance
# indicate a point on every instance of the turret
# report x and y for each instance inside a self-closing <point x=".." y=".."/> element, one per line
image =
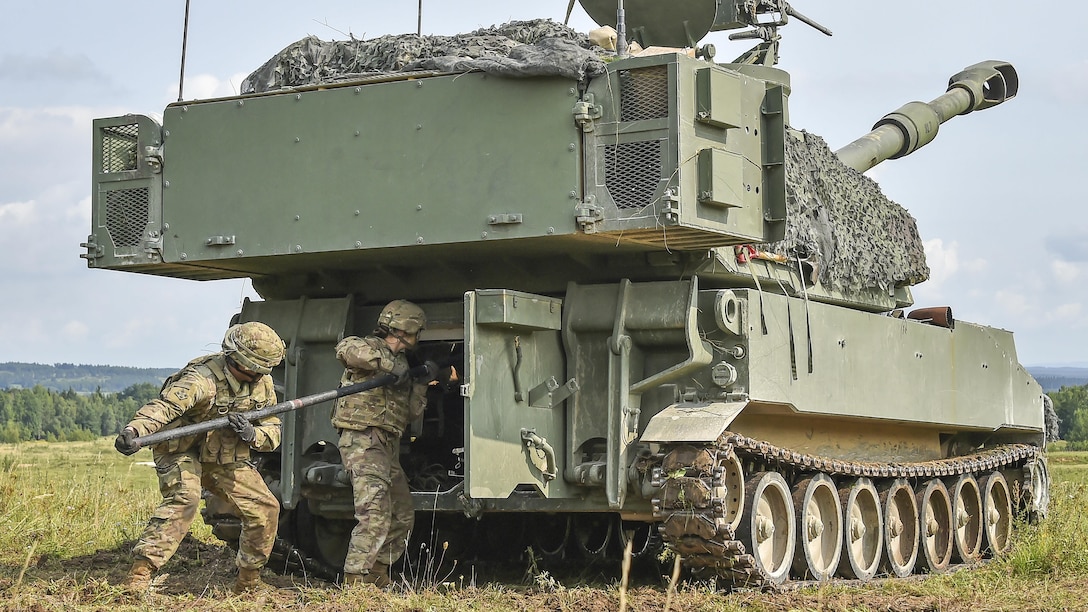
<point x="915" y="124"/>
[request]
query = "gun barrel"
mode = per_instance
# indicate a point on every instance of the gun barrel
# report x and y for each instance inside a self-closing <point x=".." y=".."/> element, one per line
<point x="289" y="405"/>
<point x="915" y="124"/>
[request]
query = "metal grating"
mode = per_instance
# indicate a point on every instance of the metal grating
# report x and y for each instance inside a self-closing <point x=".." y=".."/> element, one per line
<point x="126" y="216"/>
<point x="644" y="93"/>
<point x="632" y="171"/>
<point x="119" y="145"/>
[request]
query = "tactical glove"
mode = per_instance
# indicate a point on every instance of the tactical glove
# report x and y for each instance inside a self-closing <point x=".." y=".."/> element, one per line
<point x="126" y="442"/>
<point x="400" y="370"/>
<point x="430" y="373"/>
<point x="242" y="427"/>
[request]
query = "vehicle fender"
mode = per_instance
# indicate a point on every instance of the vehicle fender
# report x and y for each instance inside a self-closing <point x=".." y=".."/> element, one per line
<point x="691" y="422"/>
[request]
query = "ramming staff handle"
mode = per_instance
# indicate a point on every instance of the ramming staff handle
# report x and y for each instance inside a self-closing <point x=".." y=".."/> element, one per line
<point x="429" y="370"/>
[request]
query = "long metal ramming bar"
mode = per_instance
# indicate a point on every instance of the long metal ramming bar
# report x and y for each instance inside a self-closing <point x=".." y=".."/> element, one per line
<point x="429" y="369"/>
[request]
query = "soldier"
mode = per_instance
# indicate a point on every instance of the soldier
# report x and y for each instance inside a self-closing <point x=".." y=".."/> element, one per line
<point x="227" y="383"/>
<point x="370" y="425"/>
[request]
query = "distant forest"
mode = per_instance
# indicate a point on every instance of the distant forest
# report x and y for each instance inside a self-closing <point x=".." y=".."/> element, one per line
<point x="78" y="378"/>
<point x="1053" y="383"/>
<point x="1054" y="378"/>
<point x="43" y="414"/>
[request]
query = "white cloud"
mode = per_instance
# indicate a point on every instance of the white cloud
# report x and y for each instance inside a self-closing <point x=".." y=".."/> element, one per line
<point x="133" y="330"/>
<point x="1013" y="302"/>
<point x="75" y="330"/>
<point x="945" y="263"/>
<point x="79" y="212"/>
<point x="943" y="260"/>
<point x="975" y="266"/>
<point x="1068" y="314"/>
<point x="1064" y="271"/>
<point x="17" y="214"/>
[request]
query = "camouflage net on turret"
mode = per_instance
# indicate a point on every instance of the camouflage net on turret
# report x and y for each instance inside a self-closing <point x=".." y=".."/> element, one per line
<point x="839" y="219"/>
<point x="539" y="47"/>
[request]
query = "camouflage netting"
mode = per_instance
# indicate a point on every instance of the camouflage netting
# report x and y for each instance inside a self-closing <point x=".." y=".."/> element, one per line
<point x="539" y="47"/>
<point x="839" y="218"/>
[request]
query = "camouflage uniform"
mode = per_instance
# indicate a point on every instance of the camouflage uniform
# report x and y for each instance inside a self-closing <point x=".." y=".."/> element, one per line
<point x="217" y="460"/>
<point x="370" y="425"/>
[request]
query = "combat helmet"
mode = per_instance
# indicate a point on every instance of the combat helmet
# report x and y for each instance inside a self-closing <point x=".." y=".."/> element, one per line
<point x="254" y="346"/>
<point x="402" y="316"/>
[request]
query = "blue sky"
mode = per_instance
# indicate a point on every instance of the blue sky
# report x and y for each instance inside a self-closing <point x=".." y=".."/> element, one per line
<point x="997" y="195"/>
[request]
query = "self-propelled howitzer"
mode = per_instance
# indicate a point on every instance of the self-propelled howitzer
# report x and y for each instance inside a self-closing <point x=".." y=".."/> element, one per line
<point x="681" y="319"/>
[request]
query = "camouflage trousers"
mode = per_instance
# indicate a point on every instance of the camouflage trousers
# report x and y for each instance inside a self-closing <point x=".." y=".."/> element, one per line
<point x="181" y="476"/>
<point x="383" y="503"/>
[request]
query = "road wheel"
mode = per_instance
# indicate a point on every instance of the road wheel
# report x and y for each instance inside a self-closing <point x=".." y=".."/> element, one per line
<point x="935" y="526"/>
<point x="900" y="527"/>
<point x="863" y="530"/>
<point x="819" y="528"/>
<point x="767" y="526"/>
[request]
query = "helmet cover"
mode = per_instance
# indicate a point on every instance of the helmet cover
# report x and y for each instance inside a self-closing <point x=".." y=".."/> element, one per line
<point x="403" y="316"/>
<point x="254" y="346"/>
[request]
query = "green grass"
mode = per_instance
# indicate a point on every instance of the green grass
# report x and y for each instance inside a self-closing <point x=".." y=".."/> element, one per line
<point x="69" y="513"/>
<point x="70" y="499"/>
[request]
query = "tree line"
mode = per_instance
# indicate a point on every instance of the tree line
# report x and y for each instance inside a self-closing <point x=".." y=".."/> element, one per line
<point x="1071" y="406"/>
<point x="39" y="413"/>
<point x="1050" y="384"/>
<point x="79" y="378"/>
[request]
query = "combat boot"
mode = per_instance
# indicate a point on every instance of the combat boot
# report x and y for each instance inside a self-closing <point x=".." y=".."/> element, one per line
<point x="248" y="580"/>
<point x="378" y="576"/>
<point x="139" y="576"/>
<point x="350" y="580"/>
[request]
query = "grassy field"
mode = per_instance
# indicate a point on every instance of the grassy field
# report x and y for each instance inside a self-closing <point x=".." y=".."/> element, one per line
<point x="69" y="514"/>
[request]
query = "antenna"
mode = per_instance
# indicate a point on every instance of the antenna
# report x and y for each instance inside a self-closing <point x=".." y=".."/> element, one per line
<point x="419" y="19"/>
<point x="184" y="41"/>
<point x="621" y="30"/>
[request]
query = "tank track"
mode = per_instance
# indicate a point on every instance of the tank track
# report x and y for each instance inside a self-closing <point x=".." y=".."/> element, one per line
<point x="694" y="481"/>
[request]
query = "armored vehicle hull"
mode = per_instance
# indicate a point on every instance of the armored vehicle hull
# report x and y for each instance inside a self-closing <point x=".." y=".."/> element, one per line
<point x="659" y="348"/>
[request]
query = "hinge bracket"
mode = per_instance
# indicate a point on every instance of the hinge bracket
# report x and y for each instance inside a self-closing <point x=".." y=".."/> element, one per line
<point x="588" y="215"/>
<point x="94" y="250"/>
<point x="585" y="112"/>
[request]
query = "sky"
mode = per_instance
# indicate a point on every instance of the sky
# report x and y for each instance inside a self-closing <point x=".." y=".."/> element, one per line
<point x="997" y="195"/>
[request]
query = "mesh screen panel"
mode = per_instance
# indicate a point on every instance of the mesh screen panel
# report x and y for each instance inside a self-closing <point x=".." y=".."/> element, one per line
<point x="632" y="171"/>
<point x="126" y="216"/>
<point x="644" y="93"/>
<point x="119" y="144"/>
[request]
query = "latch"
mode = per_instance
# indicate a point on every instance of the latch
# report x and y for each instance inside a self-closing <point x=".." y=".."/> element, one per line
<point x="538" y="442"/>
<point x="670" y="210"/>
<point x="585" y="111"/>
<point x="219" y="241"/>
<point x="153" y="157"/>
<point x="153" y="244"/>
<point x="588" y="215"/>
